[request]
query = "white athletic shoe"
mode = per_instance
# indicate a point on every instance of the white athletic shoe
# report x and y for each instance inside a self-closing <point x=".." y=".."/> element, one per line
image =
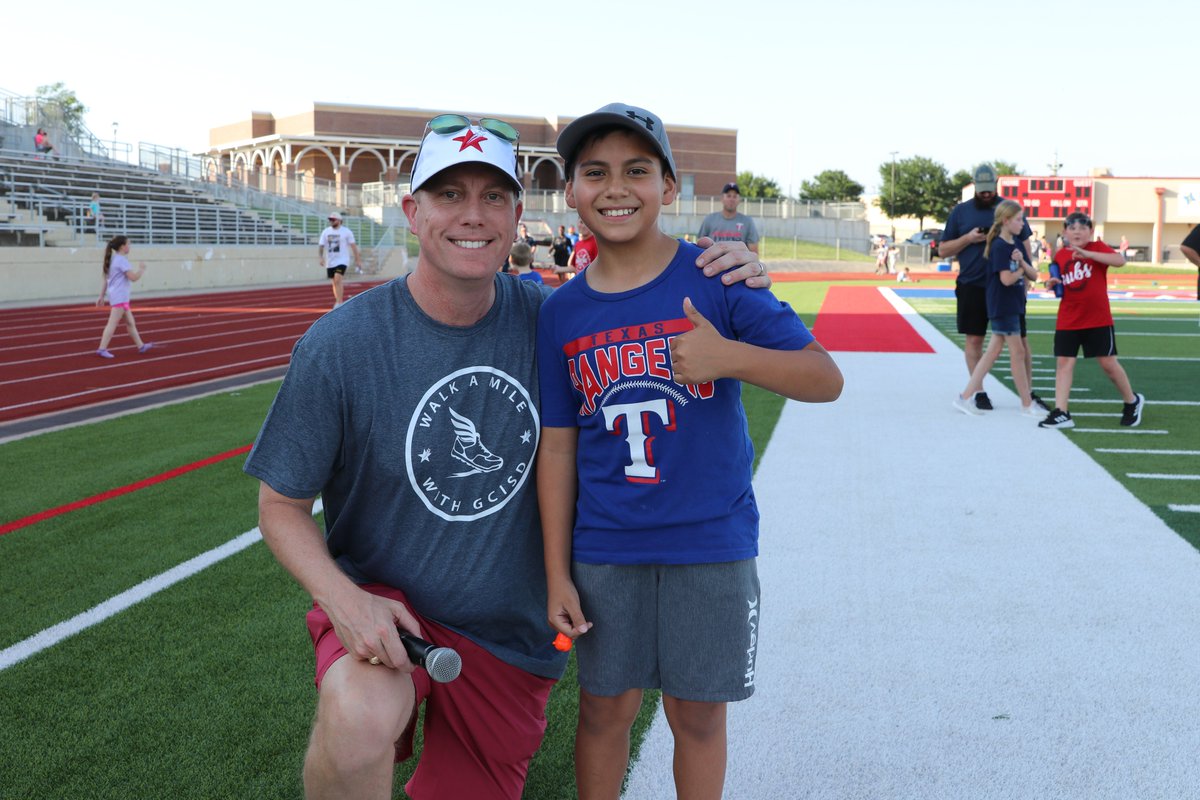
<point x="1032" y="410"/>
<point x="967" y="406"/>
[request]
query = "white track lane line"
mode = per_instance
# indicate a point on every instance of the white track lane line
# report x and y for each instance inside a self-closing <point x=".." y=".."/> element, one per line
<point x="51" y="636"/>
<point x="142" y="383"/>
<point x="167" y="355"/>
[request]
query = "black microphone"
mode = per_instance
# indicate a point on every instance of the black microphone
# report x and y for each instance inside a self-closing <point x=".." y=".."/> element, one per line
<point x="442" y="663"/>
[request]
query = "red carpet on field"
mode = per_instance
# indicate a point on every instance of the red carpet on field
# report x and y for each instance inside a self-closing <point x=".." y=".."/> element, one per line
<point x="859" y="318"/>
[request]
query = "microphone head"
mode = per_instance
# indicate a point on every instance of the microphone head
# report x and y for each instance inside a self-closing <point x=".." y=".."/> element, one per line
<point x="443" y="664"/>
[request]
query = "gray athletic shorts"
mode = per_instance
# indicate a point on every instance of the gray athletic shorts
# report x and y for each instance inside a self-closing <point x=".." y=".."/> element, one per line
<point x="688" y="629"/>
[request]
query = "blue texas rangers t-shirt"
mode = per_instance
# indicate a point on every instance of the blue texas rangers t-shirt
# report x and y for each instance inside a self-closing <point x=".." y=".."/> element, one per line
<point x="663" y="469"/>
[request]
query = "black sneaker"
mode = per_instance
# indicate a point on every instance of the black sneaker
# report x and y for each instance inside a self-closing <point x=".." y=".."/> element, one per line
<point x="1039" y="402"/>
<point x="983" y="402"/>
<point x="1057" y="419"/>
<point x="1131" y="413"/>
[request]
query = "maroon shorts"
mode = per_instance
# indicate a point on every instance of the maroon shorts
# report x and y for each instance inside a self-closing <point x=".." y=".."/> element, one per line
<point x="480" y="730"/>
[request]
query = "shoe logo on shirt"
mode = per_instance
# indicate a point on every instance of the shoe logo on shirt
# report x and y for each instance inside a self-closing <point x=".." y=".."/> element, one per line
<point x="469" y="450"/>
<point x="471" y="442"/>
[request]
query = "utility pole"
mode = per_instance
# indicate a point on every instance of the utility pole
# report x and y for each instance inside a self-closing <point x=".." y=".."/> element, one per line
<point x="892" y="202"/>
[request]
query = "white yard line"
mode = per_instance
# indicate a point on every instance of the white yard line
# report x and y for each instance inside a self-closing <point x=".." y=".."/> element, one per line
<point x="1124" y="431"/>
<point x="1185" y="509"/>
<point x="1148" y="452"/>
<point x="51" y="636"/>
<point x="1148" y="402"/>
<point x="1162" y="476"/>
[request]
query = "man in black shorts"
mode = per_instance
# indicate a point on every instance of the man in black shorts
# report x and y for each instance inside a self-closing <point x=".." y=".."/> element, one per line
<point x="334" y="249"/>
<point x="964" y="237"/>
<point x="1191" y="251"/>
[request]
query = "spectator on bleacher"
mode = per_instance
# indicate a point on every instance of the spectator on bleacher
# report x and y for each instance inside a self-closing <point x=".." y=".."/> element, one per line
<point x="338" y="242"/>
<point x="41" y="142"/>
<point x="118" y="275"/>
<point x="412" y="413"/>
<point x="94" y="216"/>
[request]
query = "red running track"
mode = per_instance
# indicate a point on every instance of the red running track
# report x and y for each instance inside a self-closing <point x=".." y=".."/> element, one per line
<point x="48" y="359"/>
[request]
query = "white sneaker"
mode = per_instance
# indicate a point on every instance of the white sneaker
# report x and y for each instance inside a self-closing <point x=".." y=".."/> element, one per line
<point x="967" y="406"/>
<point x="1032" y="410"/>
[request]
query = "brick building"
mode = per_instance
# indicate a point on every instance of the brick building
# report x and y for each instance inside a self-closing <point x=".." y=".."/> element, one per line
<point x="351" y="144"/>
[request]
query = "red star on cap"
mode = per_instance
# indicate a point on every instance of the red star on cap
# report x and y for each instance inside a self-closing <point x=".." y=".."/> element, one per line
<point x="470" y="139"/>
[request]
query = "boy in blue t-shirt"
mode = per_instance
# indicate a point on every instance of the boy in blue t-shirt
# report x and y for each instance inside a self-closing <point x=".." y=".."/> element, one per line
<point x="644" y="467"/>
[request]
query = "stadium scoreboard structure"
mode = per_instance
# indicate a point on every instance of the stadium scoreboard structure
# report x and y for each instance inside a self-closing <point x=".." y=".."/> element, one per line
<point x="1048" y="197"/>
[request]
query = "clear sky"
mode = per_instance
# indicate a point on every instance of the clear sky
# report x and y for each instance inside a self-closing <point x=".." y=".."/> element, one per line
<point x="837" y="84"/>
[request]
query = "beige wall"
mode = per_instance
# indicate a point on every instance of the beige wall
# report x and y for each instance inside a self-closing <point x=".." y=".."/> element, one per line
<point x="42" y="274"/>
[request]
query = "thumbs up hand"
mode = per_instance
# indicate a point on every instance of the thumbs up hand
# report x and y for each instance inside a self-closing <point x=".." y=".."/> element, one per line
<point x="698" y="356"/>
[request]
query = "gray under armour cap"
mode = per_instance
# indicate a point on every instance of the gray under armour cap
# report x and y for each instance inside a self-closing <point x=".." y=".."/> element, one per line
<point x="635" y="119"/>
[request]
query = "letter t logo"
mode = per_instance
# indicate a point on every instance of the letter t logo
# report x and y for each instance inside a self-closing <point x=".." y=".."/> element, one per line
<point x="636" y="417"/>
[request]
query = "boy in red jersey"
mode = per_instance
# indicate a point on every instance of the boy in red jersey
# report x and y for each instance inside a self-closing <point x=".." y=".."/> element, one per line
<point x="1085" y="320"/>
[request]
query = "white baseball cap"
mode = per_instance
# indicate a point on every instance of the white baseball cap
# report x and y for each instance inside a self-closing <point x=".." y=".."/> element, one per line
<point x="469" y="144"/>
<point x="335" y="215"/>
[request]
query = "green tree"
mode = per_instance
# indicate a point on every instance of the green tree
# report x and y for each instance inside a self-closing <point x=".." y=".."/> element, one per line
<point x="832" y="185"/>
<point x="69" y="111"/>
<point x="751" y="185"/>
<point x="922" y="189"/>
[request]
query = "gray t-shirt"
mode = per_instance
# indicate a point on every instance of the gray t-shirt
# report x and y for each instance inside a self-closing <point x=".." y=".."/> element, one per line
<point x="420" y="439"/>
<point x="739" y="229"/>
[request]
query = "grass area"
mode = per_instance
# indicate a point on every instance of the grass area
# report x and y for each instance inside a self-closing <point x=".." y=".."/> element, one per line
<point x="204" y="690"/>
<point x="773" y="248"/>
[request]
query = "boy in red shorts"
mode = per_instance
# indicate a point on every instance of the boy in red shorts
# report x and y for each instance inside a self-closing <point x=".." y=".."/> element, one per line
<point x="1085" y="320"/>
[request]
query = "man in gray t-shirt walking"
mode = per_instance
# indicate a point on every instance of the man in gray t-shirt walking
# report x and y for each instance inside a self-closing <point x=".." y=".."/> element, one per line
<point x="727" y="225"/>
<point x="413" y="413"/>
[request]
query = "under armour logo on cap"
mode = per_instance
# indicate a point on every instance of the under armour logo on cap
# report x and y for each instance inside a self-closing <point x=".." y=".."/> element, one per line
<point x="638" y="120"/>
<point x="647" y="121"/>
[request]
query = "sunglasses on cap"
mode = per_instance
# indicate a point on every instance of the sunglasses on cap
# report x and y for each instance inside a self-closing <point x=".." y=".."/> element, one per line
<point x="1077" y="218"/>
<point x="444" y="124"/>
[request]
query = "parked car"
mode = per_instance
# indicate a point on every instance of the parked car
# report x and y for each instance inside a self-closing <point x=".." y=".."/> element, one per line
<point x="929" y="237"/>
<point x="879" y="239"/>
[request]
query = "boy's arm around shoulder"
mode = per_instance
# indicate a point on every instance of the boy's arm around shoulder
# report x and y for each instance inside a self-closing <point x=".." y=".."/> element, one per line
<point x="703" y="354"/>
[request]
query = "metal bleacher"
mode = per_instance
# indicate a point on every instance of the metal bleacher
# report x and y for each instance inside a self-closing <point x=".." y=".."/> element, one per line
<point x="44" y="201"/>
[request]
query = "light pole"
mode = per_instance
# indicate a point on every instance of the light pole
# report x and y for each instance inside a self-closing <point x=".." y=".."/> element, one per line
<point x="892" y="202"/>
<point x="114" y="148"/>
